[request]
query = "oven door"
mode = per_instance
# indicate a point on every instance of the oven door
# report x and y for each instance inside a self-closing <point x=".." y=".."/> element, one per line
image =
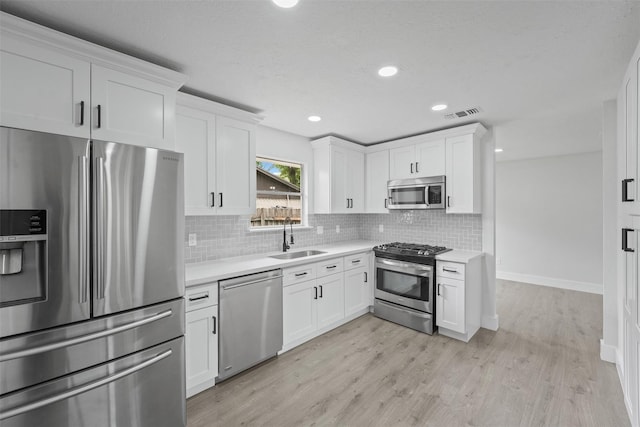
<point x="405" y="283"/>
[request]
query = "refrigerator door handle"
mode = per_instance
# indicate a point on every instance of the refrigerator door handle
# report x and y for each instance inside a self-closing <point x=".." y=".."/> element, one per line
<point x="100" y="224"/>
<point x="84" y="338"/>
<point x="84" y="388"/>
<point x="83" y="214"/>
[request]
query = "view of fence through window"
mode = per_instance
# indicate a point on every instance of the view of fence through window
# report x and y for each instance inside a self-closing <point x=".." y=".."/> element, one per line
<point x="278" y="194"/>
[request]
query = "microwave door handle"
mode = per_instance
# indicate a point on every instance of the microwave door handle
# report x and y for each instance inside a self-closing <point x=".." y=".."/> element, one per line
<point x="426" y="195"/>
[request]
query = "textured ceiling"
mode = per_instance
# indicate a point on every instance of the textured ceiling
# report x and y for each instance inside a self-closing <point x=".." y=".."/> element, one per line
<point x="535" y="60"/>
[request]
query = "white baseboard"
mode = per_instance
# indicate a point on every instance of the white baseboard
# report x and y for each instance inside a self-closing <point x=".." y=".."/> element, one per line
<point x="490" y="322"/>
<point x="608" y="352"/>
<point x="572" y="285"/>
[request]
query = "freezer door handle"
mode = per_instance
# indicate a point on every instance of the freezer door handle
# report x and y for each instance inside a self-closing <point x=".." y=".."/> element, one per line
<point x="85" y="338"/>
<point x="84" y="388"/>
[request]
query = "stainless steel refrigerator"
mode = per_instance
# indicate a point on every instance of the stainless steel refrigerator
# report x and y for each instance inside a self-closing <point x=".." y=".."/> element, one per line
<point x="91" y="283"/>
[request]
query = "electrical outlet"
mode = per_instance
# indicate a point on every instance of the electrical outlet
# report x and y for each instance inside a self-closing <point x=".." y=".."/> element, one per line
<point x="337" y="229"/>
<point x="320" y="229"/>
<point x="381" y="228"/>
<point x="192" y="239"/>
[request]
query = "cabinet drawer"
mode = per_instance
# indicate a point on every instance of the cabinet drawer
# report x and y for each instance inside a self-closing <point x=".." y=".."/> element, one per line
<point x="201" y="296"/>
<point x="298" y="274"/>
<point x="453" y="270"/>
<point x="331" y="266"/>
<point x="356" y="261"/>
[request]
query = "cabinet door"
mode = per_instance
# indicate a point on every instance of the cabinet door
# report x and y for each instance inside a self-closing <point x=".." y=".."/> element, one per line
<point x="377" y="173"/>
<point x="450" y="307"/>
<point x="401" y="162"/>
<point x="631" y="318"/>
<point x="201" y="347"/>
<point x="356" y="290"/>
<point x="235" y="167"/>
<point x="43" y="90"/>
<point x="355" y="181"/>
<point x="460" y="173"/>
<point x="195" y="137"/>
<point x="299" y="311"/>
<point x="430" y="159"/>
<point x="629" y="115"/>
<point x="131" y="110"/>
<point x="330" y="300"/>
<point x="339" y="161"/>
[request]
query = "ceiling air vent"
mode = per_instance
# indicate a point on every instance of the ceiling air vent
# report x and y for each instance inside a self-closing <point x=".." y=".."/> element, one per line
<point x="463" y="113"/>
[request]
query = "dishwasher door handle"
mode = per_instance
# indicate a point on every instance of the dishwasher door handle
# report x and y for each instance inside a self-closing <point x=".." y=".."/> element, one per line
<point x="253" y="282"/>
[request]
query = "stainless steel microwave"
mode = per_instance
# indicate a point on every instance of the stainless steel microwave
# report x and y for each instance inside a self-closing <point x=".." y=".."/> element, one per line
<point x="417" y="193"/>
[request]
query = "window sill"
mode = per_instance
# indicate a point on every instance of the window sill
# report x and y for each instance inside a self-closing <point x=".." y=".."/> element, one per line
<point x="279" y="228"/>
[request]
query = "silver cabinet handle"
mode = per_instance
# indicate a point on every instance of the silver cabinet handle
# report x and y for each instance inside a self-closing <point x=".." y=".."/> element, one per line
<point x="300" y="274"/>
<point x="439" y="290"/>
<point x="85" y="338"/>
<point x="450" y="271"/>
<point x="215" y="325"/>
<point x="199" y="298"/>
<point x="355" y="261"/>
<point x="366" y="277"/>
<point x="417" y="167"/>
<point x="331" y="267"/>
<point x="213" y="200"/>
<point x="84" y="388"/>
<point x="83" y="239"/>
<point x="320" y="291"/>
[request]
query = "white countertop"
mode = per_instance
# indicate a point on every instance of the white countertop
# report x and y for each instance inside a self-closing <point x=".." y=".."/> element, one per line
<point x="457" y="255"/>
<point x="211" y="271"/>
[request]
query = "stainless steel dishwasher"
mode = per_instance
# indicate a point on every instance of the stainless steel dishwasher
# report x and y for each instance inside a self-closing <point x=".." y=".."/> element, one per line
<point x="250" y="321"/>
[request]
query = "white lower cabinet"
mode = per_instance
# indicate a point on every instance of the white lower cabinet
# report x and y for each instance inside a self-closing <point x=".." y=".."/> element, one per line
<point x="299" y="318"/>
<point x="450" y="304"/>
<point x="330" y="300"/>
<point x="320" y="296"/>
<point x="459" y="298"/>
<point x="201" y="338"/>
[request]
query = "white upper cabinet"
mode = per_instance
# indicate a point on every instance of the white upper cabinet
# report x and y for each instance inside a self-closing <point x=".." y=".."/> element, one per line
<point x="52" y="82"/>
<point x="235" y="166"/>
<point x="131" y="110"/>
<point x="42" y="89"/>
<point x="219" y="157"/>
<point x="422" y="159"/>
<point x="463" y="175"/>
<point x="339" y="176"/>
<point x="377" y="173"/>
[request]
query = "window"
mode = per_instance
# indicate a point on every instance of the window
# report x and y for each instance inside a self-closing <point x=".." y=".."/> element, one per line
<point x="278" y="193"/>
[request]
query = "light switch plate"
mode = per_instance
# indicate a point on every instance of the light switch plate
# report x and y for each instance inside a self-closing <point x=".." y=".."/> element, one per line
<point x="192" y="239"/>
<point x="337" y="229"/>
<point x="320" y="229"/>
<point x="381" y="228"/>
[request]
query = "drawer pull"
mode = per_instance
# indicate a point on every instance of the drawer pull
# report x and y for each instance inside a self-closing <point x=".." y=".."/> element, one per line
<point x="355" y="261"/>
<point x="199" y="298"/>
<point x="331" y="267"/>
<point x="300" y="274"/>
<point x="449" y="271"/>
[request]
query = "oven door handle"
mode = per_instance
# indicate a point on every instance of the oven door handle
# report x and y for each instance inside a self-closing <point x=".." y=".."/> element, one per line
<point x="403" y="267"/>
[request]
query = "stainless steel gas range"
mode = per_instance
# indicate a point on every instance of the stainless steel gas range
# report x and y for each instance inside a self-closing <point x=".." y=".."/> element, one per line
<point x="405" y="284"/>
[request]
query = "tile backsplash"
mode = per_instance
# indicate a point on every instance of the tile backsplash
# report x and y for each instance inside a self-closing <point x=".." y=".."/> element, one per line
<point x="228" y="236"/>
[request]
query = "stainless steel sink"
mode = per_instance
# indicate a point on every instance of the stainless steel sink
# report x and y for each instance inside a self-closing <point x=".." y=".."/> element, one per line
<point x="299" y="254"/>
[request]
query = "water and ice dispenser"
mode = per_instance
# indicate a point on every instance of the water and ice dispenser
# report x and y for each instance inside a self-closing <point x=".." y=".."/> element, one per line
<point x="23" y="256"/>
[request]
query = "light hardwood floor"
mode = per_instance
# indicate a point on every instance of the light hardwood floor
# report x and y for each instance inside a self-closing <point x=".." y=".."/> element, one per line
<point x="542" y="368"/>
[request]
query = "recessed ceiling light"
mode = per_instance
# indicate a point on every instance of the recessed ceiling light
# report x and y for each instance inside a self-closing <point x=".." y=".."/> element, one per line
<point x="314" y="118"/>
<point x="286" y="4"/>
<point x="439" y="107"/>
<point x="388" y="71"/>
<point x="498" y="150"/>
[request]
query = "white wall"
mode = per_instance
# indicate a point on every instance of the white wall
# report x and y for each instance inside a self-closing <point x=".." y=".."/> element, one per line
<point x="277" y="144"/>
<point x="609" y="233"/>
<point x="549" y="221"/>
